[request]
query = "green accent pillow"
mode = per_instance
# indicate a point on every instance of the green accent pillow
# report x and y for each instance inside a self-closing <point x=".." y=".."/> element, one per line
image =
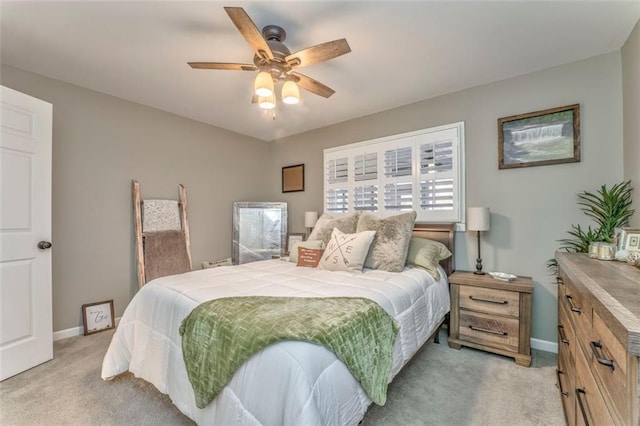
<point x="427" y="254"/>
<point x="293" y="251"/>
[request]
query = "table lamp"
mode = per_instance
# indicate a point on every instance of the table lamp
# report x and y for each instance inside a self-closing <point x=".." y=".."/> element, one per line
<point x="310" y="219"/>
<point x="478" y="219"/>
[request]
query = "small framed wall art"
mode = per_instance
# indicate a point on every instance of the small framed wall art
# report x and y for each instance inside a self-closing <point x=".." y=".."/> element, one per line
<point x="539" y="138"/>
<point x="292" y="238"/>
<point x="293" y="178"/>
<point x="98" y="317"/>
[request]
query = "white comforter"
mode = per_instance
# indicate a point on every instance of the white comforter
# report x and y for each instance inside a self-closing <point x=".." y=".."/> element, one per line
<point x="289" y="383"/>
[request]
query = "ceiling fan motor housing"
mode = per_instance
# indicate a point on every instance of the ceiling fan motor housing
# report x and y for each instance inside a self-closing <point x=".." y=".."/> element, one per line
<point x="278" y="66"/>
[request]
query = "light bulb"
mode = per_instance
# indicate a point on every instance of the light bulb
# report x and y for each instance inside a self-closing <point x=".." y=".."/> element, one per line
<point x="263" y="84"/>
<point x="267" y="102"/>
<point x="290" y="93"/>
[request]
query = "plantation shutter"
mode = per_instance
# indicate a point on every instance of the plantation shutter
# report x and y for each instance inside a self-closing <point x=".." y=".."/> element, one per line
<point x="419" y="171"/>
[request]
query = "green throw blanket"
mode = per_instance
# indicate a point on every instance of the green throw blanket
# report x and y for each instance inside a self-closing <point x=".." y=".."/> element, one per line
<point x="218" y="336"/>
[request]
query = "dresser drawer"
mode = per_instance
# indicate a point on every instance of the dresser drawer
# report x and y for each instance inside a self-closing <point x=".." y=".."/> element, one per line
<point x="609" y="362"/>
<point x="490" y="301"/>
<point x="579" y="311"/>
<point x="566" y="385"/>
<point x="490" y="330"/>
<point x="566" y="336"/>
<point x="590" y="406"/>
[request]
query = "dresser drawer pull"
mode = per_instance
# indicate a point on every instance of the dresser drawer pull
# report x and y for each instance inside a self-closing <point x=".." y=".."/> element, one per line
<point x="563" y="338"/>
<point x="558" y="373"/>
<point x="559" y="281"/>
<point x="486" y="330"/>
<point x="595" y="347"/>
<point x="573" y="308"/>
<point x="482" y="299"/>
<point x="579" y="393"/>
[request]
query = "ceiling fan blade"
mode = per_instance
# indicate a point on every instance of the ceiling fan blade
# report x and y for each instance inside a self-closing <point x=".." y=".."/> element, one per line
<point x="311" y="85"/>
<point x="319" y="53"/>
<point x="249" y="31"/>
<point x="222" y="66"/>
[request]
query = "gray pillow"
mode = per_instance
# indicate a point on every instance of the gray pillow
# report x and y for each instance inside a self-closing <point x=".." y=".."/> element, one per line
<point x="427" y="254"/>
<point x="393" y="234"/>
<point x="324" y="226"/>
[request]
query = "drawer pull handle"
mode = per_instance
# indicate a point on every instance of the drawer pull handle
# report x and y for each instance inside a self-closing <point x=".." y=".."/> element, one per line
<point x="573" y="308"/>
<point x="559" y="281"/>
<point x="558" y="373"/>
<point x="563" y="338"/>
<point x="596" y="347"/>
<point x="482" y="299"/>
<point x="579" y="392"/>
<point x="486" y="330"/>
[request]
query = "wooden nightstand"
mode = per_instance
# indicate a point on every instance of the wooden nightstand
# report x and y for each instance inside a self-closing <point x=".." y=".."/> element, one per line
<point x="491" y="315"/>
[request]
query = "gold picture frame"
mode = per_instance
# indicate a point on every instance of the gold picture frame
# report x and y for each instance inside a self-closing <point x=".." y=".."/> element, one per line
<point x="98" y="317"/>
<point x="539" y="138"/>
<point x="293" y="178"/>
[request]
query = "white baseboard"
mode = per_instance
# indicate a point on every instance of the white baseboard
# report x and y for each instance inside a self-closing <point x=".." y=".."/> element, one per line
<point x="72" y="332"/>
<point x="544" y="345"/>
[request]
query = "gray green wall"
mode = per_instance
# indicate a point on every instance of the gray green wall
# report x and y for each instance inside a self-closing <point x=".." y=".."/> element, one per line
<point x="101" y="143"/>
<point x="531" y="207"/>
<point x="631" y="107"/>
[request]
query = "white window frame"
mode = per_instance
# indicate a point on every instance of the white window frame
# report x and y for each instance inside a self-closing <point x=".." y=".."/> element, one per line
<point x="414" y="140"/>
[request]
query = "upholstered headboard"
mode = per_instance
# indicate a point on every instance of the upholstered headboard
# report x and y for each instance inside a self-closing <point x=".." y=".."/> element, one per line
<point x="442" y="232"/>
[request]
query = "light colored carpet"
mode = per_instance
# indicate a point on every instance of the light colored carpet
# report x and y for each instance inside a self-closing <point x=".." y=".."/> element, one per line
<point x="440" y="386"/>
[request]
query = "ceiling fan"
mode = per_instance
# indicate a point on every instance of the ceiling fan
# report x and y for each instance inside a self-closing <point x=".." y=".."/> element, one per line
<point x="276" y="63"/>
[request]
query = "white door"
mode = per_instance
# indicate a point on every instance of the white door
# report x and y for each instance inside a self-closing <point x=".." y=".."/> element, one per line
<point x="26" y="335"/>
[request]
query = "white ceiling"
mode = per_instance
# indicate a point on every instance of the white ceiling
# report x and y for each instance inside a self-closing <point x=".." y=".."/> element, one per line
<point x="402" y="52"/>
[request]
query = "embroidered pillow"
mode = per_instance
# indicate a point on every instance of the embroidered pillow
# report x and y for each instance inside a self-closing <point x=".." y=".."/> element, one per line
<point x="309" y="257"/>
<point x="324" y="226"/>
<point x="346" y="252"/>
<point x="293" y="252"/>
<point x="393" y="234"/>
<point x="427" y="254"/>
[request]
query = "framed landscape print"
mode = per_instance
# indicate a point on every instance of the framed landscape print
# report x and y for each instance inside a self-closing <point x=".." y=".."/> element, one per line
<point x="539" y="138"/>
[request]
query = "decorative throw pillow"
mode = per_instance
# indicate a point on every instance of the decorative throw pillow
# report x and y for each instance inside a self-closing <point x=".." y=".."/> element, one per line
<point x="346" y="252"/>
<point x="293" y="252"/>
<point x="427" y="254"/>
<point x="309" y="257"/>
<point x="393" y="234"/>
<point x="324" y="226"/>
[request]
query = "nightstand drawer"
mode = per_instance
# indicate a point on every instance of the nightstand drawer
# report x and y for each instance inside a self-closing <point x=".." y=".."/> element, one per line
<point x="490" y="301"/>
<point x="489" y="330"/>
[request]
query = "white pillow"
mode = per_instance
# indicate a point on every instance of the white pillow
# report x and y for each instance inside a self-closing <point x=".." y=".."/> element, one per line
<point x="293" y="251"/>
<point x="346" y="252"/>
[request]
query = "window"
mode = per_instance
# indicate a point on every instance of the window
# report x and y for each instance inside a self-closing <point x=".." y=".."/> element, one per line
<point x="419" y="171"/>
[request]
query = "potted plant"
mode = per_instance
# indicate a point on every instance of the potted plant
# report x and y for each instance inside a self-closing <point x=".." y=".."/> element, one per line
<point x="609" y="208"/>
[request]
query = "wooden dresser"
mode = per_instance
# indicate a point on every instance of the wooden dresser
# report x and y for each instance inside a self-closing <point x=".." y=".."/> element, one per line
<point x="598" y="340"/>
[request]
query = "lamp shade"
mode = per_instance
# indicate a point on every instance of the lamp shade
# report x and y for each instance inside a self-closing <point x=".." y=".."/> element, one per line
<point x="310" y="219"/>
<point x="263" y="84"/>
<point x="267" y="103"/>
<point x="478" y="218"/>
<point x="290" y="93"/>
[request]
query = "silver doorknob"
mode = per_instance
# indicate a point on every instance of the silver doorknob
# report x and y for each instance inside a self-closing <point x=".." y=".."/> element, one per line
<point x="43" y="245"/>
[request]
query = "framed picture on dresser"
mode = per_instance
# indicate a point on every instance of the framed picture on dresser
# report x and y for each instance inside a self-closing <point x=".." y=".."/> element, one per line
<point x="632" y="240"/>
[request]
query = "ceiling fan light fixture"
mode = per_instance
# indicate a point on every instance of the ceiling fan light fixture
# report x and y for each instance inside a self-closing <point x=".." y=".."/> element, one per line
<point x="267" y="102"/>
<point x="290" y="93"/>
<point x="263" y="84"/>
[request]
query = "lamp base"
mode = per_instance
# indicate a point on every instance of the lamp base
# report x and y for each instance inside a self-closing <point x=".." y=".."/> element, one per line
<point x="479" y="270"/>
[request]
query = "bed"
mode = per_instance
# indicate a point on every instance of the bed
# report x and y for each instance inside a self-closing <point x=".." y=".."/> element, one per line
<point x="287" y="383"/>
